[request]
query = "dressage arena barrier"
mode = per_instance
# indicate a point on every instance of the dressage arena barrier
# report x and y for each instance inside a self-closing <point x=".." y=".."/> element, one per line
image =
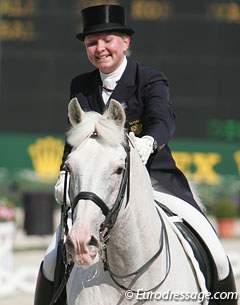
<point x="7" y="230"/>
<point x="12" y="280"/>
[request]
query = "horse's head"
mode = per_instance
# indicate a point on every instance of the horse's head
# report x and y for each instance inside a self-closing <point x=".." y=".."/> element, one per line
<point x="96" y="166"/>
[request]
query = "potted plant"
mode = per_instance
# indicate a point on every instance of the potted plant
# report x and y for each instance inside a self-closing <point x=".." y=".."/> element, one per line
<point x="7" y="211"/>
<point x="38" y="202"/>
<point x="225" y="212"/>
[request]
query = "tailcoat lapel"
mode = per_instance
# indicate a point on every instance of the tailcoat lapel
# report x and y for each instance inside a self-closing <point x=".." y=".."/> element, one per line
<point x="95" y="94"/>
<point x="122" y="93"/>
<point x="126" y="85"/>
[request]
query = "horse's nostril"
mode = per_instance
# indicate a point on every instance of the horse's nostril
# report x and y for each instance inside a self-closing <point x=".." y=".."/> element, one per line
<point x="93" y="242"/>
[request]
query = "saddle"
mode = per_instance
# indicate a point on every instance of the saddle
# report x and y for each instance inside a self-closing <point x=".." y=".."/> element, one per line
<point x="199" y="248"/>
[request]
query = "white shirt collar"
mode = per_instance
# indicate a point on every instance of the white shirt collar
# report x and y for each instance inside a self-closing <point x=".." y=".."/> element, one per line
<point x="110" y="80"/>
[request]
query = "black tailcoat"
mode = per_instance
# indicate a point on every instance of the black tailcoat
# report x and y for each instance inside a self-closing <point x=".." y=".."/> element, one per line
<point x="145" y="94"/>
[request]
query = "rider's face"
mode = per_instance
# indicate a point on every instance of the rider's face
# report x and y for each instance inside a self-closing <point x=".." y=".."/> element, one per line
<point x="106" y="50"/>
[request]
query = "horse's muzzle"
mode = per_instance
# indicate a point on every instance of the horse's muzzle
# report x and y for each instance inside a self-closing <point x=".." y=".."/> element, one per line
<point x="83" y="251"/>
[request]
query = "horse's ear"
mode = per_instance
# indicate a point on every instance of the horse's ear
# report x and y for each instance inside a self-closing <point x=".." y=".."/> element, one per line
<point x="116" y="112"/>
<point x="75" y="112"/>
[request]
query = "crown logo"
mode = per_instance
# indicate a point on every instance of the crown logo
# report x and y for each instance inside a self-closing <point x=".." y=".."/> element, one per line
<point x="46" y="154"/>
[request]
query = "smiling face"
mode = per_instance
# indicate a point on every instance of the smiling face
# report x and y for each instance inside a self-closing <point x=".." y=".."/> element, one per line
<point x="106" y="50"/>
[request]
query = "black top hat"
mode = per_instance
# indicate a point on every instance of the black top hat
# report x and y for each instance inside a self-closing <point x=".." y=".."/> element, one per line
<point x="103" y="18"/>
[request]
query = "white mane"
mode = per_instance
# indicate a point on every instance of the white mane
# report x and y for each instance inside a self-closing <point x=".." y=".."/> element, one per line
<point x="107" y="130"/>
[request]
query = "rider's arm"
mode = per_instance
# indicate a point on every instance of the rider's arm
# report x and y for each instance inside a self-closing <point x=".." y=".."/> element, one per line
<point x="158" y="115"/>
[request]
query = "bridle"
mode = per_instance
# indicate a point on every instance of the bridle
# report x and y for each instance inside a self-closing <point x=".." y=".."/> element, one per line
<point x="110" y="214"/>
<point x="106" y="226"/>
<point x="110" y="219"/>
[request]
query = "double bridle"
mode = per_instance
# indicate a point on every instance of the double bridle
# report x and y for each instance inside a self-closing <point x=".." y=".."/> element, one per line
<point x="106" y="226"/>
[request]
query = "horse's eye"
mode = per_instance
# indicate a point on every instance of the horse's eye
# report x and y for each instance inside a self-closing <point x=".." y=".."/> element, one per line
<point x="119" y="171"/>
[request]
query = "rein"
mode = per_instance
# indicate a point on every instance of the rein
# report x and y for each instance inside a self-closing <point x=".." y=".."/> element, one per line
<point x="64" y="231"/>
<point x="142" y="269"/>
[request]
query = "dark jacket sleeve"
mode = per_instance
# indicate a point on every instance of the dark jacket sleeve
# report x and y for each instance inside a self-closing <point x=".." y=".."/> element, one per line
<point x="158" y="116"/>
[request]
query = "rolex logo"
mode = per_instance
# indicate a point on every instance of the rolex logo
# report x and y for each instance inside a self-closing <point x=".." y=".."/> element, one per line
<point x="46" y="154"/>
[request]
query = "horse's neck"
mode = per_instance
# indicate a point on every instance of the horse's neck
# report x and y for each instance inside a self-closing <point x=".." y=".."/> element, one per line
<point x="135" y="237"/>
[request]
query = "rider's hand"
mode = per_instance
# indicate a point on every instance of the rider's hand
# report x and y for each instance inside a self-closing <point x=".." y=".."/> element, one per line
<point x="59" y="188"/>
<point x="143" y="145"/>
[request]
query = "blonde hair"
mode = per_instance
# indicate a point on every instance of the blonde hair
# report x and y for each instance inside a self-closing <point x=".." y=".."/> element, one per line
<point x="128" y="52"/>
